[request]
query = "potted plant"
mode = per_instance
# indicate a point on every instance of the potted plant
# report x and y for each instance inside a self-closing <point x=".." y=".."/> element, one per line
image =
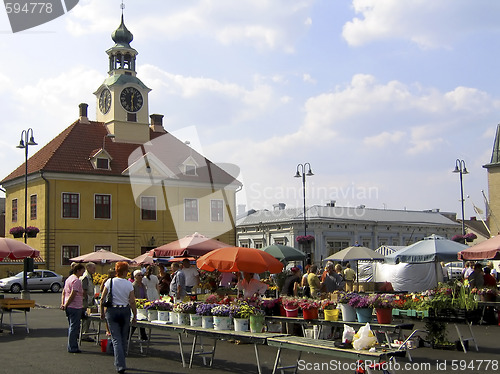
<point x="205" y="311"/>
<point x="17" y="232"/>
<point x="152" y="310"/>
<point x="142" y="313"/>
<point x="330" y="310"/>
<point x="383" y="304"/>
<point x="163" y="309"/>
<point x="32" y="231"/>
<point x="257" y="319"/>
<point x="291" y="306"/>
<point x="241" y="312"/>
<point x="304" y="239"/>
<point x="309" y="308"/>
<point x="362" y="306"/>
<point x="222" y="320"/>
<point x="343" y="298"/>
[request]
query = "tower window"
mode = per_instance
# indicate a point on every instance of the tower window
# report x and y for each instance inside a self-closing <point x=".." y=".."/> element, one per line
<point x="132" y="117"/>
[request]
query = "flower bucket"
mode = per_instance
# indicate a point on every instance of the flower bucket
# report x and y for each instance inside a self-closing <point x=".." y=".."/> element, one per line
<point x="174" y="318"/>
<point x="184" y="319"/>
<point x="257" y="323"/>
<point x="163" y="315"/>
<point x="31" y="234"/>
<point x="241" y="324"/>
<point x="384" y="315"/>
<point x="222" y="323"/>
<point x="207" y="322"/>
<point x="142" y="314"/>
<point x="488" y="297"/>
<point x="195" y="320"/>
<point x="331" y="314"/>
<point x="364" y="315"/>
<point x="292" y="312"/>
<point x="310" y="313"/>
<point x="104" y="345"/>
<point x="348" y="313"/>
<point x="152" y="315"/>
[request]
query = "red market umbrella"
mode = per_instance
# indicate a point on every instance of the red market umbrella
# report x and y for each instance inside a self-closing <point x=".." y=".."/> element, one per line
<point x="230" y="259"/>
<point x="191" y="245"/>
<point x="101" y="256"/>
<point x="487" y="250"/>
<point x="144" y="259"/>
<point x="16" y="250"/>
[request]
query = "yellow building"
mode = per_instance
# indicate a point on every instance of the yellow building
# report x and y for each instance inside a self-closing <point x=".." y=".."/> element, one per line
<point x="493" y="168"/>
<point x="121" y="183"/>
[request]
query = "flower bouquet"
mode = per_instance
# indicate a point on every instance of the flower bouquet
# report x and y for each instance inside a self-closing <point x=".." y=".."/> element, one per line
<point x="327" y="304"/>
<point x="308" y="304"/>
<point x="221" y="310"/>
<point x="189" y="307"/>
<point x="32" y="231"/>
<point x="290" y="303"/>
<point x="204" y="309"/>
<point x="382" y="301"/>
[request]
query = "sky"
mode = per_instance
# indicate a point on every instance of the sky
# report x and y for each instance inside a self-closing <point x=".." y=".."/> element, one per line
<point x="380" y="97"/>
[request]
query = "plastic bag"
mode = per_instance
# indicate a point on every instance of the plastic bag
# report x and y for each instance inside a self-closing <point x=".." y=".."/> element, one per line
<point x="348" y="334"/>
<point x="364" y="338"/>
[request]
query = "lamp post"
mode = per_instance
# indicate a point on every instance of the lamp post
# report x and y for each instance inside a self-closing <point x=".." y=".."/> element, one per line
<point x="27" y="139"/>
<point x="462" y="169"/>
<point x="301" y="173"/>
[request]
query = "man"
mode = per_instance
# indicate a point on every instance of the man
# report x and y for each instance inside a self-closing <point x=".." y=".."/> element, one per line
<point x="72" y="304"/>
<point x="178" y="283"/>
<point x="292" y="283"/>
<point x="191" y="274"/>
<point x="88" y="297"/>
<point x="251" y="286"/>
<point x="349" y="277"/>
<point x="333" y="280"/>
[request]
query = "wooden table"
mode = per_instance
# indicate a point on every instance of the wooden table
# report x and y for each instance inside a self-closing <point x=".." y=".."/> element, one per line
<point x="8" y="305"/>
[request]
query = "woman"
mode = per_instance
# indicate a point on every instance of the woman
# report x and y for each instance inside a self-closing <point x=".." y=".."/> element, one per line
<point x="118" y="315"/>
<point x="165" y="280"/>
<point x="152" y="283"/>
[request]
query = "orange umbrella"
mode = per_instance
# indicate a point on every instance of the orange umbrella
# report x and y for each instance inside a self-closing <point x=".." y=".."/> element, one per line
<point x="16" y="250"/>
<point x="190" y="245"/>
<point x="231" y="259"/>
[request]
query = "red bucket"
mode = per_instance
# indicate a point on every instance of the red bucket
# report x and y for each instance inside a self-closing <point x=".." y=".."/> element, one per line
<point x="104" y="345"/>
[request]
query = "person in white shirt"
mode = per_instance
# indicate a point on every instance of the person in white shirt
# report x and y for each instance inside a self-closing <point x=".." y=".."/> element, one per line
<point x="191" y="274"/>
<point x="251" y="286"/>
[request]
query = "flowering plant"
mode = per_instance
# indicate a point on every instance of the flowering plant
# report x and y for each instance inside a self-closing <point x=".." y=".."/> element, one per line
<point x="308" y="304"/>
<point x="270" y="303"/>
<point x="221" y="310"/>
<point x="327" y="304"/>
<point x="304" y="239"/>
<point x="158" y="305"/>
<point x="189" y="307"/>
<point x="32" y="230"/>
<point x="290" y="303"/>
<point x="382" y="301"/>
<point x="343" y="297"/>
<point x="177" y="308"/>
<point x="486" y="291"/>
<point x="140" y="303"/>
<point x="360" y="301"/>
<point x="240" y="310"/>
<point x="212" y="299"/>
<point x="204" y="309"/>
<point x="18" y="230"/>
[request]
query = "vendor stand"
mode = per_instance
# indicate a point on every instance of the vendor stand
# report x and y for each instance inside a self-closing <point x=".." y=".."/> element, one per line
<point x="10" y="305"/>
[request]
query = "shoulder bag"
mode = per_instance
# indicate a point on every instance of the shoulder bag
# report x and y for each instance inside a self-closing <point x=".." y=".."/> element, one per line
<point x="109" y="297"/>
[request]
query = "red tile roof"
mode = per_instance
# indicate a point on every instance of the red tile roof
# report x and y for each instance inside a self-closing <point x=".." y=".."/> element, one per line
<point x="71" y="150"/>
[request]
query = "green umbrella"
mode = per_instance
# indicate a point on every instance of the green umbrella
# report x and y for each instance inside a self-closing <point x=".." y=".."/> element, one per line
<point x="283" y="252"/>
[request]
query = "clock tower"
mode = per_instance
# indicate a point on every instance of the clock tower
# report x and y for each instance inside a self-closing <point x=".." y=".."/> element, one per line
<point x="122" y="99"/>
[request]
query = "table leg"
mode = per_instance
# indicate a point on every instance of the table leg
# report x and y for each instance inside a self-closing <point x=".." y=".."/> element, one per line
<point x="257" y="357"/>
<point x="193" y="347"/>
<point x="26" y="322"/>
<point x="182" y="352"/>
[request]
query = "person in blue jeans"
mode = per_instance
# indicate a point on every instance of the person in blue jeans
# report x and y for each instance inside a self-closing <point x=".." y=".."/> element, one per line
<point x="72" y="304"/>
<point x="118" y="315"/>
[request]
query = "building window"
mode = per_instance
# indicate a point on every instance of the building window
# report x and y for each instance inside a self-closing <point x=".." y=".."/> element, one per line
<point x="69" y="251"/>
<point x="102" y="206"/>
<point x="190" y="169"/>
<point x="148" y="208"/>
<point x="216" y="210"/>
<point x="71" y="205"/>
<point x="335" y="246"/>
<point x="33" y="208"/>
<point x="131" y="117"/>
<point x="14" y="210"/>
<point x="190" y="209"/>
<point x="102" y="163"/>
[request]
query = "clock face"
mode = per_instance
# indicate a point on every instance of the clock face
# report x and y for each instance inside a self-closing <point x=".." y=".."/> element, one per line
<point x="131" y="99"/>
<point x="105" y="101"/>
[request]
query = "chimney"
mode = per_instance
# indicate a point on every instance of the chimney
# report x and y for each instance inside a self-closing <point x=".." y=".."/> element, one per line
<point x="279" y="206"/>
<point x="157" y="123"/>
<point x="331" y="203"/>
<point x="83" y="113"/>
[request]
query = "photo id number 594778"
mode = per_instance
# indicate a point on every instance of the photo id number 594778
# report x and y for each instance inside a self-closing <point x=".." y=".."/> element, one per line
<point x="486" y="365"/>
<point x="35" y="7"/>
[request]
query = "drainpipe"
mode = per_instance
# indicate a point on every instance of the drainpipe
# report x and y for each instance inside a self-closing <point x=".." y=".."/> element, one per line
<point x="47" y="222"/>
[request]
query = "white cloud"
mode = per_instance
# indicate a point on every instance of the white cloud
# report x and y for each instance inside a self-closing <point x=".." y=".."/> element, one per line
<point x="307" y="78"/>
<point x="428" y="23"/>
<point x="384" y="139"/>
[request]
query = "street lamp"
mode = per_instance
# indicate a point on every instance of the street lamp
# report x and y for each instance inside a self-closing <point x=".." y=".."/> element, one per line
<point x="301" y="173"/>
<point x="26" y="140"/>
<point x="462" y="169"/>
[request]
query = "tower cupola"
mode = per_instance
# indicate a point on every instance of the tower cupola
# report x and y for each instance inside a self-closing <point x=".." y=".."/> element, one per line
<point x="122" y="55"/>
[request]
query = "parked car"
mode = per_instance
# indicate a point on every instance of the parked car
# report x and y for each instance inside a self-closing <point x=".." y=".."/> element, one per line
<point x="454" y="269"/>
<point x="37" y="280"/>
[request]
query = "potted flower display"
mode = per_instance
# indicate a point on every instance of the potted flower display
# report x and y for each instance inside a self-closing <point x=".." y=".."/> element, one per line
<point x="152" y="310"/>
<point x="241" y="311"/>
<point x="291" y="306"/>
<point x="309" y="308"/>
<point x="362" y="306"/>
<point x="17" y="232"/>
<point x="343" y="298"/>
<point x="271" y="307"/>
<point x="32" y="231"/>
<point x="204" y="310"/>
<point x="304" y="239"/>
<point x="330" y="310"/>
<point x="222" y="320"/>
<point x="257" y="319"/>
<point x="163" y="309"/>
<point x="383" y="304"/>
<point x="142" y="313"/>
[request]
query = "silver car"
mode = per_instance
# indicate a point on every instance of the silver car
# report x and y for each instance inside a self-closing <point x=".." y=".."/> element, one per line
<point x="37" y="280"/>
